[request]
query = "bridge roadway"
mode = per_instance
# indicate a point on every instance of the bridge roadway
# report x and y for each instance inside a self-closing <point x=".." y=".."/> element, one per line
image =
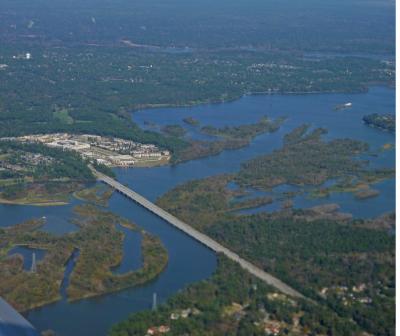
<point x="202" y="238"/>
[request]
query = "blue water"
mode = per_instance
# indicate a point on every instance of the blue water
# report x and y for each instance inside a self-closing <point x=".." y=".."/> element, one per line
<point x="359" y="208"/>
<point x="316" y="110"/>
<point x="27" y="254"/>
<point x="188" y="260"/>
<point x="132" y="251"/>
<point x="96" y="315"/>
<point x="56" y="217"/>
<point x="69" y="267"/>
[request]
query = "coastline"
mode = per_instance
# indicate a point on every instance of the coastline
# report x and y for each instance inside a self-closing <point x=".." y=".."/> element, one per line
<point x="44" y="203"/>
<point x="365" y="88"/>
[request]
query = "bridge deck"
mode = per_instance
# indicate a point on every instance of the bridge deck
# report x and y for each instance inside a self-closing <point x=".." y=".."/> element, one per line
<point x="202" y="238"/>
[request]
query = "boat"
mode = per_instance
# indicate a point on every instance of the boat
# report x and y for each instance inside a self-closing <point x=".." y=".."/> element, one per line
<point x="343" y="106"/>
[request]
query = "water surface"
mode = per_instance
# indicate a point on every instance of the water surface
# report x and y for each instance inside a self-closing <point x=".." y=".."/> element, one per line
<point x="189" y="261"/>
<point x="27" y="254"/>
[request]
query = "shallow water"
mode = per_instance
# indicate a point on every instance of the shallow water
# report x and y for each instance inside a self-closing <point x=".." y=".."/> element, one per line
<point x="27" y="254"/>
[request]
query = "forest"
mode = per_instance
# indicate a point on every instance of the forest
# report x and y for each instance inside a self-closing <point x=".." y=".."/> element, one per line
<point x="386" y="122"/>
<point x="40" y="175"/>
<point x="179" y="26"/>
<point x="87" y="66"/>
<point x="342" y="263"/>
<point x="232" y="302"/>
<point x="305" y="159"/>
<point x="93" y="90"/>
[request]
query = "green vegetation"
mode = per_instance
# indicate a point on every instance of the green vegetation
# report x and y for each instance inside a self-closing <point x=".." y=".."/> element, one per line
<point x="306" y="159"/>
<point x="98" y="195"/>
<point x="174" y="130"/>
<point x="252" y="203"/>
<point x="229" y="138"/>
<point x="50" y="163"/>
<point x="308" y="250"/>
<point x="191" y="121"/>
<point x="386" y="122"/>
<point x="25" y="290"/>
<point x="93" y="272"/>
<point x="245" y="132"/>
<point x="39" y="194"/>
<point x="232" y="302"/>
<point x="93" y="62"/>
<point x="36" y="174"/>
<point x="346" y="266"/>
<point x="179" y="27"/>
<point x="360" y="186"/>
<point x="104" y="169"/>
<point x="200" y="149"/>
<point x="367" y="193"/>
<point x="63" y="116"/>
<point x="98" y="94"/>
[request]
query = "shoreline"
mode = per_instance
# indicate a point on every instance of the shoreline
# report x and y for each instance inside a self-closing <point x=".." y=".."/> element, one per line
<point x="44" y="203"/>
<point x="363" y="89"/>
<point x="170" y="162"/>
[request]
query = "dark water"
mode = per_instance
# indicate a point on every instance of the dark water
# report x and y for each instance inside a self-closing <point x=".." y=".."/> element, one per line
<point x="188" y="260"/>
<point x="27" y="254"/>
<point x="359" y="208"/>
<point x="132" y="258"/>
<point x="56" y="217"/>
<point x="317" y="110"/>
<point x="69" y="267"/>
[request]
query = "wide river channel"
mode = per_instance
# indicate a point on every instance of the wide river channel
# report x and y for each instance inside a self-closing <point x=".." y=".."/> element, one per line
<point x="189" y="261"/>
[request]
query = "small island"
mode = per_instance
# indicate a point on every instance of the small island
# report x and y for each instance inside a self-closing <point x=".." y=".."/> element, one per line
<point x="191" y="121"/>
<point x="386" y="122"/>
<point x="228" y="138"/>
<point x="366" y="193"/>
<point x="249" y="131"/>
<point x="92" y="274"/>
<point x="174" y="130"/>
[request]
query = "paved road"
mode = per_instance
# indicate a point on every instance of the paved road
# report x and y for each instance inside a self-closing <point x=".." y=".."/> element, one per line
<point x="202" y="238"/>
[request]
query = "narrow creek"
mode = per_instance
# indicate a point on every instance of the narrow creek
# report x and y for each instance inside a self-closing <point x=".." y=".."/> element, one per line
<point x="132" y="251"/>
<point x="69" y="267"/>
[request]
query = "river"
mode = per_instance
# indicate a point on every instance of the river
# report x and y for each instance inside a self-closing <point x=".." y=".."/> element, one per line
<point x="188" y="260"/>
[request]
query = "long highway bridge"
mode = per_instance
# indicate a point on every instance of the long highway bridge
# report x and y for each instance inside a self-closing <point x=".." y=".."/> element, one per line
<point x="197" y="235"/>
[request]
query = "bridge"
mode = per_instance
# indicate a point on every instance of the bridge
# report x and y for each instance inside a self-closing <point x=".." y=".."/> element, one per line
<point x="197" y="235"/>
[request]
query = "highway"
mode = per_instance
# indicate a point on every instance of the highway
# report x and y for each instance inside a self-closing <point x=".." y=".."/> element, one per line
<point x="197" y="235"/>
